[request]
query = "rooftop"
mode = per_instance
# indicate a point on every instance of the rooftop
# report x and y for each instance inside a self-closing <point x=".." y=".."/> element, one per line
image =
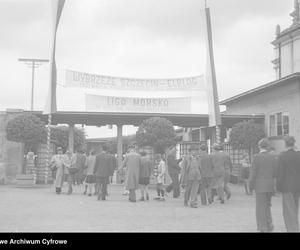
<point x="285" y="80"/>
<point x="135" y="119"/>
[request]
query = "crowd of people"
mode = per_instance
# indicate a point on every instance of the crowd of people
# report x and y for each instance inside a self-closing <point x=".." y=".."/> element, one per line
<point x="195" y="174"/>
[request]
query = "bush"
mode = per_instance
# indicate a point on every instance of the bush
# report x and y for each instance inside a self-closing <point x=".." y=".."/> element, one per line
<point x="156" y="132"/>
<point x="27" y="129"/>
<point x="60" y="137"/>
<point x="246" y="135"/>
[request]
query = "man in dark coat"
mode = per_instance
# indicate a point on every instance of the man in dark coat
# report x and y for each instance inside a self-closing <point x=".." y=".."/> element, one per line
<point x="132" y="163"/>
<point x="221" y="170"/>
<point x="262" y="180"/>
<point x="103" y="169"/>
<point x="206" y="174"/>
<point x="288" y="183"/>
<point x="80" y="159"/>
<point x="173" y="171"/>
<point x="192" y="177"/>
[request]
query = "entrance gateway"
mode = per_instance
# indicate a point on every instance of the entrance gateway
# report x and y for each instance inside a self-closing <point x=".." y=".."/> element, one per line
<point x="100" y="108"/>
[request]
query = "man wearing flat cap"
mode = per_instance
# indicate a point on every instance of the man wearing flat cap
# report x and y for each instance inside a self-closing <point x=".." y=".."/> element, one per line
<point x="221" y="170"/>
<point x="262" y="180"/>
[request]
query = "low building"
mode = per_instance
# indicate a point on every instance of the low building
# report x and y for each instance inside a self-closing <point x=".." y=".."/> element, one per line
<point x="279" y="100"/>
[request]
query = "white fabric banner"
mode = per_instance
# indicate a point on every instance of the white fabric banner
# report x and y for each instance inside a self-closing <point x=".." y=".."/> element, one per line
<point x="51" y="107"/>
<point x="101" y="103"/>
<point x="86" y="80"/>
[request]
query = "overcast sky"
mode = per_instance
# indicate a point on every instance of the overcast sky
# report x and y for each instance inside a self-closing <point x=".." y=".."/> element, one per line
<point x="136" y="38"/>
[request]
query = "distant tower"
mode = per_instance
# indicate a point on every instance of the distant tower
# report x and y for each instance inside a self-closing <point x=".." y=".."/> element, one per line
<point x="296" y="14"/>
<point x="287" y="46"/>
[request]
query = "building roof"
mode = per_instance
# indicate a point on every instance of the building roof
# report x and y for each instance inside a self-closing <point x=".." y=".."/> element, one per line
<point x="124" y="118"/>
<point x="293" y="29"/>
<point x="262" y="88"/>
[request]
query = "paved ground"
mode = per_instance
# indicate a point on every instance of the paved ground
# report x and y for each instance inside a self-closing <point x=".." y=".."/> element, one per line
<point x="39" y="209"/>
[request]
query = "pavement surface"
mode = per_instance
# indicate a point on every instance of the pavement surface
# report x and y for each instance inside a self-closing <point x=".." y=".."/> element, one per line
<point x="39" y="209"/>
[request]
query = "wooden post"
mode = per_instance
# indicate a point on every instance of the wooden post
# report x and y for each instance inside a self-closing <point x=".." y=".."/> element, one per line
<point x="119" y="146"/>
<point x="48" y="147"/>
<point x="71" y="138"/>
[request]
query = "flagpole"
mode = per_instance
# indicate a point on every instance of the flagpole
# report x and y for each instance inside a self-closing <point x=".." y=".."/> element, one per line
<point x="214" y="117"/>
<point x="51" y="108"/>
<point x="48" y="146"/>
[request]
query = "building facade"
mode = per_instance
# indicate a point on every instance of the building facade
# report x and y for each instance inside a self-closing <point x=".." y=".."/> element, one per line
<point x="278" y="101"/>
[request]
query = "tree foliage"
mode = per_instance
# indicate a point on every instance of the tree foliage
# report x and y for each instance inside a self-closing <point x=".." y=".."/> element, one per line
<point x="126" y="141"/>
<point x="156" y="132"/>
<point x="60" y="137"/>
<point x="246" y="134"/>
<point x="30" y="130"/>
<point x="27" y="129"/>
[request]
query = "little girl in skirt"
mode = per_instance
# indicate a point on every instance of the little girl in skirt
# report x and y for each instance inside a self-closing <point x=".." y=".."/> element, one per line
<point x="160" y="173"/>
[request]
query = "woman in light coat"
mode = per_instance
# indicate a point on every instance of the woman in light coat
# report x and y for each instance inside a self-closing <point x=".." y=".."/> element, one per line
<point x="57" y="164"/>
<point x="132" y="164"/>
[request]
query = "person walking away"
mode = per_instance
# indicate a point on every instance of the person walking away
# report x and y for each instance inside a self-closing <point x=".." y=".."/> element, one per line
<point x="114" y="166"/>
<point x="102" y="170"/>
<point x="184" y="175"/>
<point x="145" y="172"/>
<point x="80" y="160"/>
<point x="122" y="172"/>
<point x="262" y="180"/>
<point x="193" y="177"/>
<point x="132" y="164"/>
<point x="57" y="165"/>
<point x="206" y="175"/>
<point x="228" y="170"/>
<point x="114" y="159"/>
<point x="245" y="173"/>
<point x="70" y="170"/>
<point x="173" y="171"/>
<point x="160" y="173"/>
<point x="221" y="169"/>
<point x="288" y="183"/>
<point x="90" y="179"/>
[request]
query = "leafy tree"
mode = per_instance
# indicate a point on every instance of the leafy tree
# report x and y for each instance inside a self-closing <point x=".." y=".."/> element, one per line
<point x="60" y="137"/>
<point x="127" y="140"/>
<point x="27" y="129"/>
<point x="246" y="135"/>
<point x="156" y="132"/>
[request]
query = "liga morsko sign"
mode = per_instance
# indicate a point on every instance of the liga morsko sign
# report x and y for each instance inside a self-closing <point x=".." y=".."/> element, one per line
<point x="85" y="80"/>
<point x="101" y="103"/>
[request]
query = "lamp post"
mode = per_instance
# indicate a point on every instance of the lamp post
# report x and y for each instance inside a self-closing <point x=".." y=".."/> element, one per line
<point x="32" y="63"/>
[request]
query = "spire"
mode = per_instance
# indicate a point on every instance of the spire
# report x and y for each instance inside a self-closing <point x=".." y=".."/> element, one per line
<point x="278" y="30"/>
<point x="296" y="13"/>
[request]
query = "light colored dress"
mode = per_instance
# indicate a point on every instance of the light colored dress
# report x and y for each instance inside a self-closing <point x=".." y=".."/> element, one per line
<point x="161" y="172"/>
<point x="59" y="162"/>
<point x="90" y="163"/>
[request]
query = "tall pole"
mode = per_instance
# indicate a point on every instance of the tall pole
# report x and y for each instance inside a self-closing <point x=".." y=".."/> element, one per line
<point x="48" y="148"/>
<point x="32" y="85"/>
<point x="214" y="109"/>
<point x="32" y="63"/>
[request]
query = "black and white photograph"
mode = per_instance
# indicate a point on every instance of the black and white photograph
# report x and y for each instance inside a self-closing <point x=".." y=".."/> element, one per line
<point x="136" y="116"/>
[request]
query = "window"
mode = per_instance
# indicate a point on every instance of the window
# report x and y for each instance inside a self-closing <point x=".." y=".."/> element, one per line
<point x="272" y="125"/>
<point x="285" y="124"/>
<point x="279" y="124"/>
